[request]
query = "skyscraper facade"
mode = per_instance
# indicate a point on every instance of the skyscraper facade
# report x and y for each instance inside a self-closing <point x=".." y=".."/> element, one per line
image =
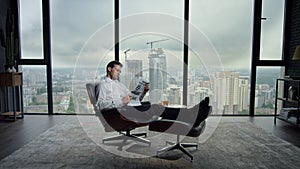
<point x="230" y="92"/>
<point x="243" y="94"/>
<point x="232" y="88"/>
<point x="157" y="74"/>
<point x="174" y="95"/>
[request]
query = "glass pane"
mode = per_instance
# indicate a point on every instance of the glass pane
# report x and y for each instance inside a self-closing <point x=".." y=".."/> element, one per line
<point x="31" y="29"/>
<point x="82" y="42"/>
<point x="265" y="89"/>
<point x="174" y="8"/>
<point x="272" y="29"/>
<point x="220" y="54"/>
<point x="153" y="50"/>
<point x="35" y="97"/>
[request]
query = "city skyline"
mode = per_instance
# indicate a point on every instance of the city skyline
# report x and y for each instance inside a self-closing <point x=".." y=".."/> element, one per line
<point x="229" y="90"/>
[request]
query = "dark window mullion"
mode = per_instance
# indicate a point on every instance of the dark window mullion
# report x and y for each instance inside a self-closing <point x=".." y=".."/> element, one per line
<point x="255" y="51"/>
<point x="286" y="32"/>
<point x="47" y="51"/>
<point x="117" y="29"/>
<point x="185" y="51"/>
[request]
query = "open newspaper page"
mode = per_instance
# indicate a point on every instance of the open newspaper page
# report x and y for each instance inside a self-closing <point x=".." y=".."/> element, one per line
<point x="137" y="92"/>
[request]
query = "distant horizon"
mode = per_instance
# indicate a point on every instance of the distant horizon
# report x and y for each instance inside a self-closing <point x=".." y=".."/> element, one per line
<point x="103" y="67"/>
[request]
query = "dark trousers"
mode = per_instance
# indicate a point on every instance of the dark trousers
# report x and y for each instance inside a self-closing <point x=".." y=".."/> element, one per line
<point x="142" y="114"/>
<point x="149" y="112"/>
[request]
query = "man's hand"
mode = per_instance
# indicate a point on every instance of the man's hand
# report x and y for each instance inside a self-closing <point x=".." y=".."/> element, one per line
<point x="126" y="99"/>
<point x="146" y="88"/>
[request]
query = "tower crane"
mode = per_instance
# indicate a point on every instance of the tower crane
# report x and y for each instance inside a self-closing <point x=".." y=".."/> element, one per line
<point x="125" y="52"/>
<point x="151" y="43"/>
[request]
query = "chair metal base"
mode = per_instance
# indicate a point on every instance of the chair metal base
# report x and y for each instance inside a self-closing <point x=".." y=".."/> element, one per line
<point x="178" y="146"/>
<point x="128" y="136"/>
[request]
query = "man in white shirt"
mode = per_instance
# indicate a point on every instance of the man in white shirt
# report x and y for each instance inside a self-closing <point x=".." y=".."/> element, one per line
<point x="113" y="94"/>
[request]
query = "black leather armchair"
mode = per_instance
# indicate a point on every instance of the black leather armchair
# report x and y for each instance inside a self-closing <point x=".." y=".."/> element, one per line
<point x="112" y="120"/>
<point x="182" y="125"/>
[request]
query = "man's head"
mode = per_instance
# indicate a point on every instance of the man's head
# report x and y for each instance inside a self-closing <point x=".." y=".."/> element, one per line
<point x="113" y="70"/>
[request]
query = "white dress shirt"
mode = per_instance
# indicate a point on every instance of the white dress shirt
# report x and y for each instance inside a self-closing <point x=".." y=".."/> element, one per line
<point x="110" y="94"/>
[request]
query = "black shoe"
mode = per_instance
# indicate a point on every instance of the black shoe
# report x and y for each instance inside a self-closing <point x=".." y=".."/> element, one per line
<point x="204" y="102"/>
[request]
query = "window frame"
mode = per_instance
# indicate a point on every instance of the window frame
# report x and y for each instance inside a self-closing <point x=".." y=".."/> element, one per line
<point x="256" y="61"/>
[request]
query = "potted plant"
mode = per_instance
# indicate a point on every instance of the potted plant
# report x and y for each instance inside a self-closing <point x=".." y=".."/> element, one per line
<point x="9" y="40"/>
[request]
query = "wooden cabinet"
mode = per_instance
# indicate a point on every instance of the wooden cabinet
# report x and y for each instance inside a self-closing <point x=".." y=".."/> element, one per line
<point x="287" y="95"/>
<point x="11" y="79"/>
<point x="12" y="84"/>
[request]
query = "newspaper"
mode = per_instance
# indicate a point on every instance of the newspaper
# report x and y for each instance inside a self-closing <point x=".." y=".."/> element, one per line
<point x="137" y="92"/>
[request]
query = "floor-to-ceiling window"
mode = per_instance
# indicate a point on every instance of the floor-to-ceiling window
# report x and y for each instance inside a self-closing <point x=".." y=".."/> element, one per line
<point x="82" y="43"/>
<point x="220" y="58"/>
<point x="271" y="45"/>
<point x="151" y="47"/>
<point x="35" y="95"/>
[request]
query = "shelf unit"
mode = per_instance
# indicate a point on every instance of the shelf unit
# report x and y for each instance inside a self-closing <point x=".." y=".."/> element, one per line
<point x="14" y="81"/>
<point x="290" y="114"/>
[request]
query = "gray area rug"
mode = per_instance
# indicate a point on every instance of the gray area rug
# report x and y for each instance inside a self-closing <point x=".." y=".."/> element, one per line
<point x="79" y="145"/>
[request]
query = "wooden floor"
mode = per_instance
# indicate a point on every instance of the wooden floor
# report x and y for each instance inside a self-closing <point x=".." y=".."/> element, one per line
<point x="14" y="135"/>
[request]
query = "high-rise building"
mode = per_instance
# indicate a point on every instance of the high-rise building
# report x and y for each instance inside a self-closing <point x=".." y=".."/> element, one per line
<point x="232" y="88"/>
<point x="218" y="99"/>
<point x="226" y="91"/>
<point x="157" y="74"/>
<point x="264" y="94"/>
<point x="174" y="95"/>
<point x="243" y="103"/>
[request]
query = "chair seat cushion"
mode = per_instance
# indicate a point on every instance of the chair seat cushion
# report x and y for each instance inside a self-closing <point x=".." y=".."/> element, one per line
<point x="176" y="127"/>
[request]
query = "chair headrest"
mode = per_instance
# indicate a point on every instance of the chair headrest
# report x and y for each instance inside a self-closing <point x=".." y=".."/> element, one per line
<point x="91" y="92"/>
<point x="97" y="88"/>
<point x="203" y="111"/>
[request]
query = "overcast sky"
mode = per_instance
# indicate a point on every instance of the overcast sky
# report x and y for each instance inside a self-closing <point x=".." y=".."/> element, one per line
<point x="82" y="30"/>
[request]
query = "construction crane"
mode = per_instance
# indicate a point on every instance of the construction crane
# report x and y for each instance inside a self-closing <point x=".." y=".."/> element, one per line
<point x="125" y="52"/>
<point x="151" y="43"/>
